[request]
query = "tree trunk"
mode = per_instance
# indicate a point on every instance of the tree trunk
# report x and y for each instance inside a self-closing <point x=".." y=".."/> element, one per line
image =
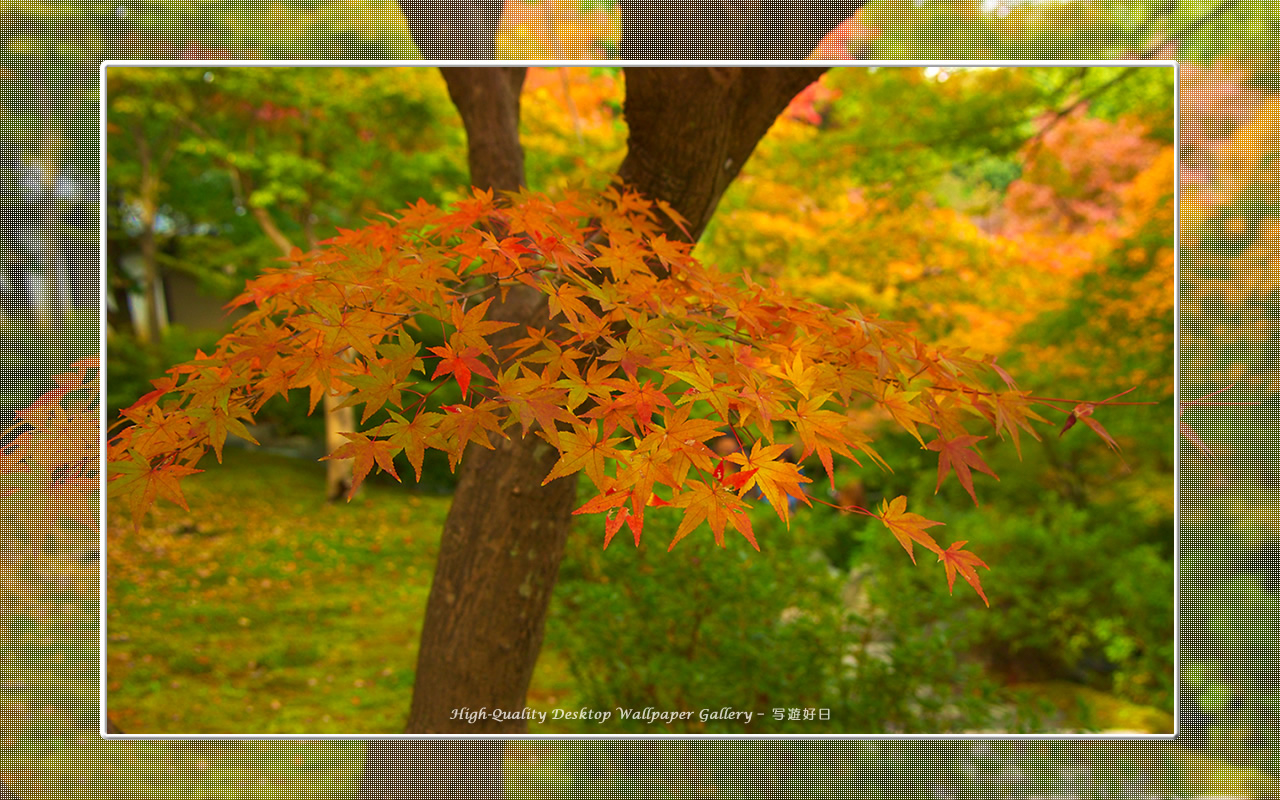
<point x="52" y="309"/>
<point x="151" y="330"/>
<point x="692" y="129"/>
<point x="503" y="539"/>
<point x="339" y="472"/>
<point x="453" y="29"/>
<point x="505" y="533"/>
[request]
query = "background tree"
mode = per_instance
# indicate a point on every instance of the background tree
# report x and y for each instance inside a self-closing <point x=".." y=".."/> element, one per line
<point x="317" y="174"/>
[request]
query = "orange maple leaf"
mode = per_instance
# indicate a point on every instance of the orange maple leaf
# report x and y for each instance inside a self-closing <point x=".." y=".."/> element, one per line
<point x="822" y="431"/>
<point x="709" y="502"/>
<point x="581" y="449"/>
<point x="899" y="405"/>
<point x="139" y="482"/>
<point x="907" y="526"/>
<point x="1008" y="411"/>
<point x="413" y="437"/>
<point x="472" y="327"/>
<point x="377" y="387"/>
<point x="777" y="479"/>
<point x="956" y="560"/>
<point x="366" y="451"/>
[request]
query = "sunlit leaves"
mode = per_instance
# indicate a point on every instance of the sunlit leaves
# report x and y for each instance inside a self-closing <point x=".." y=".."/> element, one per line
<point x="821" y="431"/>
<point x="899" y="404"/>
<point x="582" y="450"/>
<point x="778" y="479"/>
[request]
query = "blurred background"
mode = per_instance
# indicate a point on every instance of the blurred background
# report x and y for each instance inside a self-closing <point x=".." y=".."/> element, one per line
<point x="1021" y="212"/>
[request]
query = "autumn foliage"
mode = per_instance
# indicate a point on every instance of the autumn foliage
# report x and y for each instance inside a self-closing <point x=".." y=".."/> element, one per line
<point x="647" y="357"/>
<point x="49" y="456"/>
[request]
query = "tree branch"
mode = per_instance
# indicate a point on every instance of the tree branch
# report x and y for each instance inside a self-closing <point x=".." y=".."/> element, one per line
<point x="245" y="186"/>
<point x="488" y="99"/>
<point x="691" y="129"/>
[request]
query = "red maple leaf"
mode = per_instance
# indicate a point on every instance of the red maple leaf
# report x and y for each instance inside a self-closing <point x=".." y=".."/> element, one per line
<point x="956" y="453"/>
<point x="460" y="364"/>
<point x="956" y="560"/>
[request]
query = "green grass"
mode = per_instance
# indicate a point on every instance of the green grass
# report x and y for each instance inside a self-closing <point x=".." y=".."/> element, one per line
<point x="265" y="609"/>
<point x="261" y="610"/>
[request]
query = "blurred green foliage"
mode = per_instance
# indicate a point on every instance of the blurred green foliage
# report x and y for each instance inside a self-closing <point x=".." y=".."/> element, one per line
<point x="707" y="628"/>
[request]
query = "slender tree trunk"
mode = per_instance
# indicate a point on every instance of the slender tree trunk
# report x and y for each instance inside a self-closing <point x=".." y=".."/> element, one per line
<point x="52" y="310"/>
<point x="150" y="331"/>
<point x="339" y="472"/>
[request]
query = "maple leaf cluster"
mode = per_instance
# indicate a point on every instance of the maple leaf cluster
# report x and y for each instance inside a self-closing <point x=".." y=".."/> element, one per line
<point x="49" y="456"/>
<point x="647" y="357"/>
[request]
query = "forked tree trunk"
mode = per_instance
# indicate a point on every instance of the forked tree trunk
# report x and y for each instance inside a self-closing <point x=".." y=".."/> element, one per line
<point x="691" y="131"/>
